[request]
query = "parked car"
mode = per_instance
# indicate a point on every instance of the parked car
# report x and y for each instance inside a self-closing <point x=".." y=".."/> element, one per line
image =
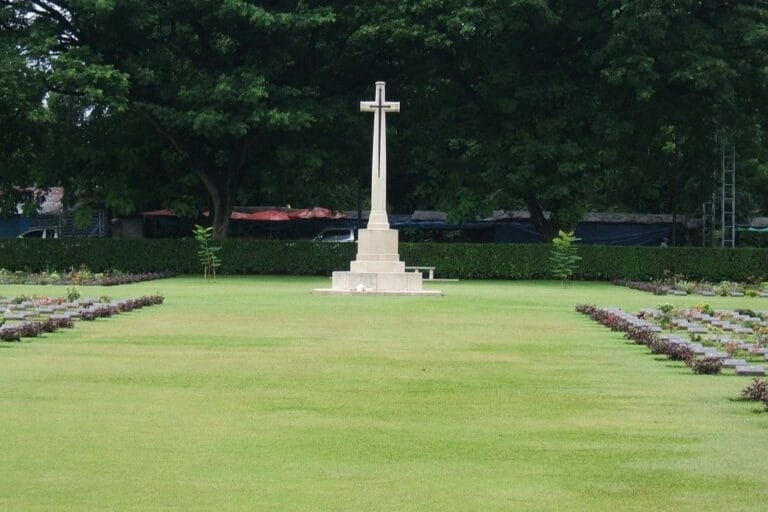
<point x="335" y="235"/>
<point x="40" y="233"/>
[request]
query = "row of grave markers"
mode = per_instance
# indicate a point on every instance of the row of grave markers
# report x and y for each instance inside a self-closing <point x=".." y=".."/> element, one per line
<point x="740" y="366"/>
<point x="30" y="318"/>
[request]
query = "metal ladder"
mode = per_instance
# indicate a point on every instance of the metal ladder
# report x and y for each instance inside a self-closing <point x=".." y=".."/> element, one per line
<point x="728" y="184"/>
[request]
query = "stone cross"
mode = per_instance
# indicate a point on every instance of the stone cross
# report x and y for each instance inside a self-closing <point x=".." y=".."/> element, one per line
<point x="380" y="107"/>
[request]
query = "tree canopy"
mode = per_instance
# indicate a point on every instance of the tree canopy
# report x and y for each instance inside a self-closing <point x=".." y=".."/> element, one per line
<point x="550" y="105"/>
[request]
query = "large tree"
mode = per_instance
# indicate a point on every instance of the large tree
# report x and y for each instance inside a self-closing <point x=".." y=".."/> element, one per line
<point x="558" y="105"/>
<point x="220" y="83"/>
<point x="22" y="116"/>
<point x="680" y="73"/>
<point x="564" y="105"/>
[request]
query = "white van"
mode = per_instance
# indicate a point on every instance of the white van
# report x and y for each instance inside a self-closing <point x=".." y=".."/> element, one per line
<point x="40" y="233"/>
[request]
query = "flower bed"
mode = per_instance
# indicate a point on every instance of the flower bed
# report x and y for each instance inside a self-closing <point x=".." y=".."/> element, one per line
<point x="685" y="287"/>
<point x="82" y="276"/>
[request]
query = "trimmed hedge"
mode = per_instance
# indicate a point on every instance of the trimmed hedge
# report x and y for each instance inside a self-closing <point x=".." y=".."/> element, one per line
<point x="464" y="261"/>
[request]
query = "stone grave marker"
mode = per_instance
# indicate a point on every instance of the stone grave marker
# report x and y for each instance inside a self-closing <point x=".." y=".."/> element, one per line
<point x="750" y="371"/>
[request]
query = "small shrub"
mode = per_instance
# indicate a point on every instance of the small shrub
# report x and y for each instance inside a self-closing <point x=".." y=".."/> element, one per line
<point x="642" y="336"/>
<point x="665" y="308"/>
<point x="704" y="308"/>
<point x="72" y="294"/>
<point x="30" y="329"/>
<point x="659" y="346"/>
<point x="756" y="391"/>
<point x="586" y="309"/>
<point x="707" y="366"/>
<point x="731" y="347"/>
<point x="761" y="335"/>
<point x="680" y="353"/>
<point x="10" y="334"/>
<point x="655" y="288"/>
<point x="20" y="298"/>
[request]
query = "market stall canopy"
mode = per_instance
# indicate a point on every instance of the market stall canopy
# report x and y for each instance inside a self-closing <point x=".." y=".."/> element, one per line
<point x="316" y="213"/>
<point x="160" y="213"/>
<point x="268" y="215"/>
<point x="271" y="214"/>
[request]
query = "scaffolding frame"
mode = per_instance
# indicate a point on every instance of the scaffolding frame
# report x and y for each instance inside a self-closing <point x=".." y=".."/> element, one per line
<point x="718" y="220"/>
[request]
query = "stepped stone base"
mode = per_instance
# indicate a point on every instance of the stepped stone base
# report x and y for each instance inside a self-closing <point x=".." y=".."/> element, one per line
<point x="377" y="270"/>
<point x="419" y="293"/>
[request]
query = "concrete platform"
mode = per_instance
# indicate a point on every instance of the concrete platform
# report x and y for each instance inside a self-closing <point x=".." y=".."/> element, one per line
<point x="377" y="270"/>
<point x="390" y="293"/>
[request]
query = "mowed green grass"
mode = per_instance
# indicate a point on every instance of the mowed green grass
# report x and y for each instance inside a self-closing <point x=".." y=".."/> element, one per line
<point x="252" y="394"/>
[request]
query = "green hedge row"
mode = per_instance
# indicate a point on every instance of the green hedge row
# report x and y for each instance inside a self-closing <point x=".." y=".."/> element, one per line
<point x="465" y="261"/>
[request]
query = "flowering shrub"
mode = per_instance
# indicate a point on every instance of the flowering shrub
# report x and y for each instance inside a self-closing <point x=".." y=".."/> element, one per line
<point x="726" y="287"/>
<point x="707" y="366"/>
<point x="10" y="334"/>
<point x="641" y="336"/>
<point x="655" y="288"/>
<point x="659" y="346"/>
<point x="674" y="283"/>
<point x="756" y="391"/>
<point x="82" y="276"/>
<point x="680" y="353"/>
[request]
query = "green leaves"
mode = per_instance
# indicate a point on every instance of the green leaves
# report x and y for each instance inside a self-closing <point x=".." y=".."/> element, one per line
<point x="564" y="258"/>
<point x="206" y="253"/>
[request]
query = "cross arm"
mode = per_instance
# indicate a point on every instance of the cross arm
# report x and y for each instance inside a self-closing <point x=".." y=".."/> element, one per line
<point x="367" y="106"/>
<point x="387" y="106"/>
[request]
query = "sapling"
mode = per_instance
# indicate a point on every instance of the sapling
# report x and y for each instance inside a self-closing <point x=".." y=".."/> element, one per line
<point x="563" y="260"/>
<point x="72" y="293"/>
<point x="206" y="252"/>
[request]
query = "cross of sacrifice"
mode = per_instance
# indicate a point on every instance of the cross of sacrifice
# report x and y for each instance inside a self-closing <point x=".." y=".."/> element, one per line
<point x="380" y="107"/>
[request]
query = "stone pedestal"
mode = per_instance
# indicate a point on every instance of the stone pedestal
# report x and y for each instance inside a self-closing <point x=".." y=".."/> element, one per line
<point x="377" y="269"/>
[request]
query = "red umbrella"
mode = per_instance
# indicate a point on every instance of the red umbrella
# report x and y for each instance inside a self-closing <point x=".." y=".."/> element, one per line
<point x="270" y="215"/>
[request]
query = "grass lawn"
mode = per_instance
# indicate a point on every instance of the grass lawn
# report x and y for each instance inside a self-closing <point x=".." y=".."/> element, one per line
<point x="252" y="394"/>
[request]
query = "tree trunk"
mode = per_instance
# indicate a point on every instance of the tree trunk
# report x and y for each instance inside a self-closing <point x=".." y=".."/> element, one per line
<point x="221" y="206"/>
<point x="221" y="216"/>
<point x="544" y="226"/>
<point x="674" y="226"/>
<point x="221" y="196"/>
